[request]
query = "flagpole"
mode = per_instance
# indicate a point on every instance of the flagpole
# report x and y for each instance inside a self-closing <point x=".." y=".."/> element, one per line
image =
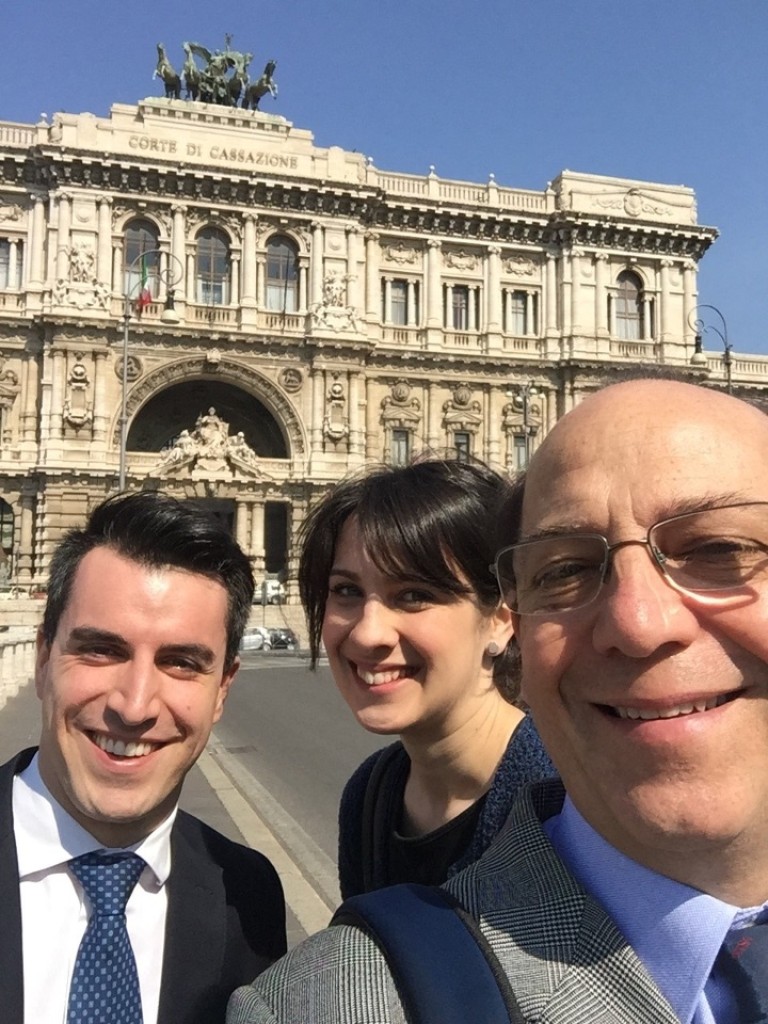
<point x="169" y="281"/>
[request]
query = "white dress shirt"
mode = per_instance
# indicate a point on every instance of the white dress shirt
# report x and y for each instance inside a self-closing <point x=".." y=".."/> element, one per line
<point x="54" y="909"/>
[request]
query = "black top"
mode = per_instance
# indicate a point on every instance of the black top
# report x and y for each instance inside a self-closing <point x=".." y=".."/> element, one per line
<point x="428" y="858"/>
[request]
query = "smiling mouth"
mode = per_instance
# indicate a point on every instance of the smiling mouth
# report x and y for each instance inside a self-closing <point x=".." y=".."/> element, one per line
<point x="675" y="711"/>
<point x="379" y="678"/>
<point x="119" y="748"/>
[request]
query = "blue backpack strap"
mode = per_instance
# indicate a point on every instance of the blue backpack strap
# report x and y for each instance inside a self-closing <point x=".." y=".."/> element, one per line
<point x="443" y="966"/>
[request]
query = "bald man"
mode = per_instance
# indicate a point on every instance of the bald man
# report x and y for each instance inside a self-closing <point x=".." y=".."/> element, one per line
<point x="634" y="891"/>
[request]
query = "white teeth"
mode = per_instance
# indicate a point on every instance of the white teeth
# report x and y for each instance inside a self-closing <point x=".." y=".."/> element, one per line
<point x="379" y="678"/>
<point x="122" y="749"/>
<point x="650" y="715"/>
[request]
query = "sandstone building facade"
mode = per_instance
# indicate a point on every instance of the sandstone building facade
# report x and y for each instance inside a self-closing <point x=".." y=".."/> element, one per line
<point x="199" y="298"/>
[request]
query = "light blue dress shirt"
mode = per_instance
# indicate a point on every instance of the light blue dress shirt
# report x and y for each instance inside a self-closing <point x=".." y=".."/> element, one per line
<point x="676" y="931"/>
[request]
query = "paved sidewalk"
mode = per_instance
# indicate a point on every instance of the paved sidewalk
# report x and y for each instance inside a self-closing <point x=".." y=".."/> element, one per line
<point x="20" y="728"/>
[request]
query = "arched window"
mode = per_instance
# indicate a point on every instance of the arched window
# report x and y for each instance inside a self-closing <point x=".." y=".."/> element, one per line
<point x="140" y="271"/>
<point x="212" y="267"/>
<point x="628" y="309"/>
<point x="282" y="274"/>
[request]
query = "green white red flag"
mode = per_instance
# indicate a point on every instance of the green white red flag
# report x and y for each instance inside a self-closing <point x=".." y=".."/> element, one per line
<point x="145" y="295"/>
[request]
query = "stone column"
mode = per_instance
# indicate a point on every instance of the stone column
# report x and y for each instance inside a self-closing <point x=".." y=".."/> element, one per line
<point x="178" y="251"/>
<point x="257" y="552"/>
<point x="551" y="294"/>
<point x="567" y="286"/>
<point x="242" y="509"/>
<point x="59" y="367"/>
<point x="316" y="288"/>
<point x="664" y="301"/>
<point x="249" y="260"/>
<point x="29" y="410"/>
<point x="355" y="297"/>
<point x="472" y="321"/>
<point x="434" y="296"/>
<point x="433" y="416"/>
<point x="37" y="242"/>
<point x="62" y="238"/>
<point x="261" y="292"/>
<point x="372" y="289"/>
<point x="387" y="310"/>
<point x="412" y="317"/>
<point x="301" y="304"/>
<point x="689" y="296"/>
<point x="234" y="279"/>
<point x="318" y="409"/>
<point x="190" y="274"/>
<point x="493" y="303"/>
<point x="372" y="430"/>
<point x="26" y="534"/>
<point x="104" y="244"/>
<point x="601" y="294"/>
<point x="356" y="445"/>
<point x="100" y="415"/>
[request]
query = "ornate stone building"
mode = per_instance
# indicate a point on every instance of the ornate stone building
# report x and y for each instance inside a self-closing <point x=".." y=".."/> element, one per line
<point x="302" y="313"/>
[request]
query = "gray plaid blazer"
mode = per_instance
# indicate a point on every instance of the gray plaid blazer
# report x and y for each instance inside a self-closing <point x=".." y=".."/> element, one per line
<point x="565" y="959"/>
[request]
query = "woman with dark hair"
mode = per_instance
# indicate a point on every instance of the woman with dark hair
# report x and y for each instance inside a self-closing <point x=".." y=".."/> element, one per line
<point x="395" y="581"/>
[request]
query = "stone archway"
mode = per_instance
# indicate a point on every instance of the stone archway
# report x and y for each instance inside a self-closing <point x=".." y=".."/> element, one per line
<point x="267" y="396"/>
<point x="161" y="420"/>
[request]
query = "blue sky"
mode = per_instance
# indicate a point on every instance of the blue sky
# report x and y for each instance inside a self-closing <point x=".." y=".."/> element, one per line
<point x="664" y="90"/>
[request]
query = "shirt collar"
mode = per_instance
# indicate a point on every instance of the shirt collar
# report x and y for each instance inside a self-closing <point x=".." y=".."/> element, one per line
<point x="47" y="836"/>
<point x="675" y="930"/>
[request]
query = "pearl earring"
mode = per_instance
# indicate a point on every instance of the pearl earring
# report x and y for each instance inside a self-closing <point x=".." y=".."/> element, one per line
<point x="493" y="649"/>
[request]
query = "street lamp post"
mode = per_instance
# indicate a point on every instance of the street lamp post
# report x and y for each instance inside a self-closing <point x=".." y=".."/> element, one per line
<point x="699" y="325"/>
<point x="169" y="316"/>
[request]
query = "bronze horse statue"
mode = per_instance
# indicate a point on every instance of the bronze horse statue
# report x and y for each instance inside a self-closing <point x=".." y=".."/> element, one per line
<point x="191" y="74"/>
<point x="164" y="70"/>
<point x="259" y="88"/>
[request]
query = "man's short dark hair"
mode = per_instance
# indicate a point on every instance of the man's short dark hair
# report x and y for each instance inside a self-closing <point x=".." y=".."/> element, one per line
<point x="156" y="530"/>
<point x="434" y="519"/>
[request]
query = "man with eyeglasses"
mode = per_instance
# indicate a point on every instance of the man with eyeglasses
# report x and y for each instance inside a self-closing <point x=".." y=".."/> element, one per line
<point x="634" y="892"/>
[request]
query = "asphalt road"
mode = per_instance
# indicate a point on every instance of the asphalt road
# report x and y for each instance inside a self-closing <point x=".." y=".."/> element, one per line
<point x="290" y="743"/>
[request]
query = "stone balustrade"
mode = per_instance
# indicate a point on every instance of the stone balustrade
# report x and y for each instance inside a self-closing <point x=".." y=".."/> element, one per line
<point x="17" y="661"/>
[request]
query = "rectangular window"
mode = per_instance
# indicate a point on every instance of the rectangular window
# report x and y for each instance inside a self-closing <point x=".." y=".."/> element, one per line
<point x="401" y="446"/>
<point x="398" y="303"/>
<point x="520" y="459"/>
<point x="282" y="296"/>
<point x="462" y="442"/>
<point x="518" y="314"/>
<point x="460" y="307"/>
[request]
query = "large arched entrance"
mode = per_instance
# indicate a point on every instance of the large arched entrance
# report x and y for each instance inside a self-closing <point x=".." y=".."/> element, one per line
<point x="158" y="424"/>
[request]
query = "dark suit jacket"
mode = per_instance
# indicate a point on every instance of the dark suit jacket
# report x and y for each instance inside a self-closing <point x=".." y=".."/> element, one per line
<point x="225" y="922"/>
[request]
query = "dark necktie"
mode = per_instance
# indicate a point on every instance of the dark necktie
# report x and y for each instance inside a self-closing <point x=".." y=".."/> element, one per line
<point x="744" y="963"/>
<point x="105" y="985"/>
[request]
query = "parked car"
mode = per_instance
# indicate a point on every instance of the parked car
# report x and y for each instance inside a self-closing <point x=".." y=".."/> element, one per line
<point x="256" y="638"/>
<point x="270" y="591"/>
<point x="283" y="639"/>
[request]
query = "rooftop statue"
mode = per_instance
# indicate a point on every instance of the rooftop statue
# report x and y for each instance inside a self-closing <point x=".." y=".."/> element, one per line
<point x="219" y="77"/>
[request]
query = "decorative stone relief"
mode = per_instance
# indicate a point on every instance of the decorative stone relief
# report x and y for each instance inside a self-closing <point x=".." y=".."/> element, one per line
<point x="78" y="406"/>
<point x="81" y="289"/>
<point x="291" y="379"/>
<point x="134" y="367"/>
<point x="400" y="254"/>
<point x="460" y="260"/>
<point x="462" y="413"/>
<point x="209" y="452"/>
<point x="9" y="389"/>
<point x="519" y="266"/>
<point x="335" y="422"/>
<point x="331" y="313"/>
<point x="399" y="409"/>
<point x="10" y="212"/>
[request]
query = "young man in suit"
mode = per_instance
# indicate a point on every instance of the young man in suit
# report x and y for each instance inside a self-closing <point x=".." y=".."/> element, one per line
<point x="137" y="651"/>
<point x="634" y="891"/>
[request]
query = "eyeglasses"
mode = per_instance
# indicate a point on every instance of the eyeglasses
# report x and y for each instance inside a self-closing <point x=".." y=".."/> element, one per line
<point x="712" y="551"/>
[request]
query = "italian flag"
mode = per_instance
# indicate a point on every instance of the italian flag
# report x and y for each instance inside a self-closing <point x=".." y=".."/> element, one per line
<point x="145" y="295"/>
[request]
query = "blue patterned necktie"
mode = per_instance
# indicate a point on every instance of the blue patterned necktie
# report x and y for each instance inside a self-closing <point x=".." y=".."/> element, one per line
<point x="744" y="963"/>
<point x="105" y="985"/>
